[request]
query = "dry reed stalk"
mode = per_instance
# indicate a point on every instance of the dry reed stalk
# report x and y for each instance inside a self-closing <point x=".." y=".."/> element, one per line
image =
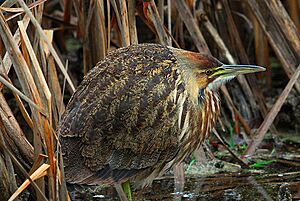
<point x="285" y="23"/>
<point x="5" y="174"/>
<point x="94" y="38"/>
<point x="108" y="25"/>
<point x="8" y="4"/>
<point x="38" y="92"/>
<point x="64" y="195"/>
<point x="37" y="163"/>
<point x="261" y="49"/>
<point x="87" y="9"/>
<point x="240" y="161"/>
<point x="160" y="8"/>
<point x="14" y="131"/>
<point x="179" y="32"/>
<point x="191" y="25"/>
<point x="11" y="173"/>
<point x="23" y="109"/>
<point x="124" y="21"/>
<point x="169" y="14"/>
<point x="152" y="17"/>
<point x="18" y="92"/>
<point x="234" y="110"/>
<point x="19" y="62"/>
<point x="40" y="172"/>
<point x="102" y="38"/>
<point x="45" y="96"/>
<point x="294" y="12"/>
<point x="43" y="36"/>
<point x="132" y="22"/>
<point x="122" y="27"/>
<point x="57" y="103"/>
<point x="40" y="79"/>
<point x="6" y="64"/>
<point x="262" y="130"/>
<point x="67" y="10"/>
<point x="19" y="11"/>
<point x="219" y="41"/>
<point x="253" y="92"/>
<point x="281" y="32"/>
<point x="19" y="166"/>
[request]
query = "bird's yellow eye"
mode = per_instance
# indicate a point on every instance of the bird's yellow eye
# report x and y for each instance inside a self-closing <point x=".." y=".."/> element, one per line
<point x="208" y="72"/>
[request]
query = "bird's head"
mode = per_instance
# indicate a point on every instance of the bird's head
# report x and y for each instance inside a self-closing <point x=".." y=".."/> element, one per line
<point x="206" y="72"/>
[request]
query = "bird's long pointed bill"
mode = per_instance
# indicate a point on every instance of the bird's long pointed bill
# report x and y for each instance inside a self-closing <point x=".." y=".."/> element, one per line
<point x="240" y="69"/>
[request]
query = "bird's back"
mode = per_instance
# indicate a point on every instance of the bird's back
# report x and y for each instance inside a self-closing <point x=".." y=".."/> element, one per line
<point x="125" y="118"/>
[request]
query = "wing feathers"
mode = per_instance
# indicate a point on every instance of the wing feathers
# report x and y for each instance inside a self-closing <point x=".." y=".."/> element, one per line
<point x="125" y="114"/>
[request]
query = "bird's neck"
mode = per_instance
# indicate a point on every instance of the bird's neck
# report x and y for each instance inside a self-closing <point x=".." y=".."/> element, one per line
<point x="200" y="121"/>
<point x="209" y="113"/>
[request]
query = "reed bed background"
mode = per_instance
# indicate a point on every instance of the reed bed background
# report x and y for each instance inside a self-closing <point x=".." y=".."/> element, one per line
<point x="47" y="46"/>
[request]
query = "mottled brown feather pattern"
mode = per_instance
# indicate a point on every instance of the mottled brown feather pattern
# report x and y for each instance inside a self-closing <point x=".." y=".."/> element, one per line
<point x="126" y="117"/>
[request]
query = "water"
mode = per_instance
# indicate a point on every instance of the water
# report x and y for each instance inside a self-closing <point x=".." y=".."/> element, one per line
<point x="275" y="177"/>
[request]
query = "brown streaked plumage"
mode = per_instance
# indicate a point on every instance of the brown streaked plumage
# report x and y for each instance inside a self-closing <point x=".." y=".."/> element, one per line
<point x="138" y="112"/>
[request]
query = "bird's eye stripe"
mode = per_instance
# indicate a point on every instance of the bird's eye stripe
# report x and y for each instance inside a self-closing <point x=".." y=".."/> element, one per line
<point x="211" y="72"/>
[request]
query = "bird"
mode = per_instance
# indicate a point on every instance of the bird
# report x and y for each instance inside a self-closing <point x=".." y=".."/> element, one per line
<point x="139" y="111"/>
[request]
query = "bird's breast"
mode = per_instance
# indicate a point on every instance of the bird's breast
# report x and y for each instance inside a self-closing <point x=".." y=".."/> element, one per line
<point x="195" y="122"/>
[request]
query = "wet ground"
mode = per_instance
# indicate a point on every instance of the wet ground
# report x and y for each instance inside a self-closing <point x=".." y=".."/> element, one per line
<point x="274" y="175"/>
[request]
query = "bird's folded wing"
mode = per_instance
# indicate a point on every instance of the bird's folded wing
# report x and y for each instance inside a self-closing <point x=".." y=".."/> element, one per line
<point x="122" y="119"/>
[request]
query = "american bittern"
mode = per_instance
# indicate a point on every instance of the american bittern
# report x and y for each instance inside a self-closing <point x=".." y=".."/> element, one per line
<point x="141" y="110"/>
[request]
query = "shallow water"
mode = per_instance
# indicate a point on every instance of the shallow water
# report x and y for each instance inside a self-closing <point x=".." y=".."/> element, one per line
<point x="221" y="180"/>
<point x="227" y="186"/>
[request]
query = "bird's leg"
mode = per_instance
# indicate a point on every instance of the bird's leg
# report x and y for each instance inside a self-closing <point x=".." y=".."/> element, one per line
<point x="120" y="192"/>
<point x="124" y="191"/>
<point x="127" y="190"/>
<point x="179" y="180"/>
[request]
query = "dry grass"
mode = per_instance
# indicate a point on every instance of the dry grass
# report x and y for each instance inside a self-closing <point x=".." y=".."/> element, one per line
<point x="34" y="71"/>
